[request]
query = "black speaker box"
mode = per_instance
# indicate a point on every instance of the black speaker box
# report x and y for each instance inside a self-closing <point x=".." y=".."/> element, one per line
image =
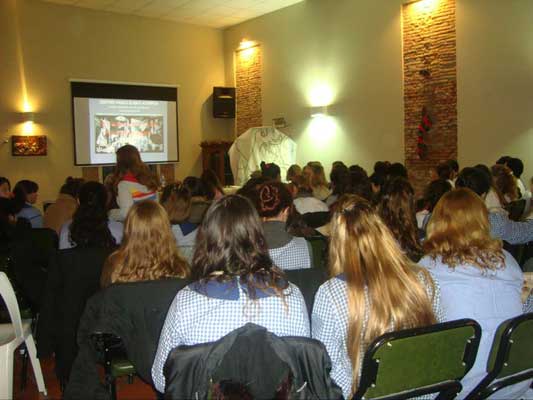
<point x="223" y="102"/>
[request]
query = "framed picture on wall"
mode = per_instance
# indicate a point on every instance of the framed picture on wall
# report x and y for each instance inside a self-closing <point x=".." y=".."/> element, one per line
<point x="27" y="146"/>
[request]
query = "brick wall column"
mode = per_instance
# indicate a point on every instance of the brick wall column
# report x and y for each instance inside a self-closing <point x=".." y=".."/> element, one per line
<point x="430" y="80"/>
<point x="248" y="80"/>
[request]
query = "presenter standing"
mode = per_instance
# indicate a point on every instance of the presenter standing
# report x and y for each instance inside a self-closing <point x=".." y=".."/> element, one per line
<point x="133" y="181"/>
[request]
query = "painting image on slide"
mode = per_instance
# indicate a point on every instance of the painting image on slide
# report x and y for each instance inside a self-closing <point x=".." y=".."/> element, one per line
<point x="142" y="131"/>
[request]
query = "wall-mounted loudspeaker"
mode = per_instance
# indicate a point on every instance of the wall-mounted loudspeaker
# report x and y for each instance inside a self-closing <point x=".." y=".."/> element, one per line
<point x="223" y="102"/>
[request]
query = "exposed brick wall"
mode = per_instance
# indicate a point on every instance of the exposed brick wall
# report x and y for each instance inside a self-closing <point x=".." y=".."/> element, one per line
<point x="248" y="79"/>
<point x="429" y="43"/>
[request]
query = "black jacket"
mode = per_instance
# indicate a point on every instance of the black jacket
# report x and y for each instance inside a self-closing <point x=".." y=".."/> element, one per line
<point x="134" y="312"/>
<point x="73" y="277"/>
<point x="256" y="358"/>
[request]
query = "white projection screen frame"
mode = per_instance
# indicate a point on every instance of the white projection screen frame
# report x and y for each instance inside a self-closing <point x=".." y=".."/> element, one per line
<point x="108" y="115"/>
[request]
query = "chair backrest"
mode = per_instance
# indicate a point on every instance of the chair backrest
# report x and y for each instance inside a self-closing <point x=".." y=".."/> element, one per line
<point x="319" y="246"/>
<point x="419" y="361"/>
<point x="512" y="351"/>
<point x="8" y="294"/>
<point x="308" y="281"/>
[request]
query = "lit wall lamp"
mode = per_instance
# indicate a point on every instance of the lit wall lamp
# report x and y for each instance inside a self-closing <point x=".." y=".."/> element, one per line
<point x="26" y="117"/>
<point x="319" y="111"/>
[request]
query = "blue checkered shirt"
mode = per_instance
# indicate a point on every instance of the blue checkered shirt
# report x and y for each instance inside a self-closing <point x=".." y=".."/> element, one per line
<point x="513" y="232"/>
<point x="330" y="325"/>
<point x="197" y="316"/>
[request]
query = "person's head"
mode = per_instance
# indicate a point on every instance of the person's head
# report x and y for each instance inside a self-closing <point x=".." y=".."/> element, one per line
<point x="503" y="160"/>
<point x="459" y="232"/>
<point x="176" y="200"/>
<point x="364" y="250"/>
<point x="148" y="250"/>
<point x="434" y="191"/>
<point x="274" y="201"/>
<point x="357" y="174"/>
<point x="444" y="171"/>
<point x="504" y="183"/>
<point x="340" y="179"/>
<point x="250" y="189"/>
<point x="363" y="188"/>
<point x="516" y="165"/>
<point x="270" y="171"/>
<point x="212" y="184"/>
<point x="302" y="185"/>
<point x="129" y="161"/>
<point x="336" y="164"/>
<point x="72" y="186"/>
<point x="5" y="188"/>
<point x="454" y="165"/>
<point x="377" y="180"/>
<point x="230" y="244"/>
<point x="475" y="179"/>
<point x="396" y="206"/>
<point x="89" y="227"/>
<point x="25" y="191"/>
<point x="316" y="174"/>
<point x="486" y="170"/>
<point x="397" y="170"/>
<point x="382" y="168"/>
<point x="196" y="186"/>
<point x="294" y="170"/>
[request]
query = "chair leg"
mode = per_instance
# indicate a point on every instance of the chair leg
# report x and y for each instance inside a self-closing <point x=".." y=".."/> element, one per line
<point x="24" y="372"/>
<point x="6" y="372"/>
<point x="36" y="365"/>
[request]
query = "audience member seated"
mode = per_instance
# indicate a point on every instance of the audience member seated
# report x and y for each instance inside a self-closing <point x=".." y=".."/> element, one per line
<point x="316" y="179"/>
<point x="293" y="171"/>
<point x="434" y="191"/>
<point x="176" y="199"/>
<point x="270" y="171"/>
<point x="377" y="180"/>
<point x="25" y="195"/>
<point x="454" y="165"/>
<point x="90" y="224"/>
<point x="65" y="205"/>
<point x="505" y="184"/>
<point x="133" y="181"/>
<point x="213" y="187"/>
<point x="517" y="167"/>
<point x="304" y="201"/>
<point x="375" y="289"/>
<point x="236" y="283"/>
<point x="479" y="279"/>
<point x="340" y="183"/>
<point x="397" y="170"/>
<point x="5" y="188"/>
<point x="199" y="202"/>
<point x="501" y="226"/>
<point x="397" y="208"/>
<point x="275" y="205"/>
<point x="148" y="251"/>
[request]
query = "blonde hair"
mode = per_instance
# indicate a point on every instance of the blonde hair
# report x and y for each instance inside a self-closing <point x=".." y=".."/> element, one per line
<point x="363" y="248"/>
<point x="459" y="232"/>
<point x="148" y="250"/>
<point x="314" y="172"/>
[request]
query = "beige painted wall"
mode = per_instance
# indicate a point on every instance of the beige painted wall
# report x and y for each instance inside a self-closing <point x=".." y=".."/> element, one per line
<point x="45" y="45"/>
<point x="353" y="47"/>
<point x="495" y="81"/>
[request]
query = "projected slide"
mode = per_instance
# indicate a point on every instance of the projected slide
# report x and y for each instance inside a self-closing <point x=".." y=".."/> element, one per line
<point x="104" y="124"/>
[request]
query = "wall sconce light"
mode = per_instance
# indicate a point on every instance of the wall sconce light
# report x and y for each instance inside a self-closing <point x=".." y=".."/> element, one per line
<point x="319" y="111"/>
<point x="246" y="44"/>
<point x="26" y="117"/>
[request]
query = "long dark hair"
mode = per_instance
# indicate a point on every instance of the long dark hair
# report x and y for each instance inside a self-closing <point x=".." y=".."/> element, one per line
<point x="21" y="191"/>
<point x="89" y="222"/>
<point x="397" y="209"/>
<point x="211" y="183"/>
<point x="231" y="243"/>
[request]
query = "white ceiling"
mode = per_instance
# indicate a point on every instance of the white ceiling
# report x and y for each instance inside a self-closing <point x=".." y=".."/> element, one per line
<point x="212" y="13"/>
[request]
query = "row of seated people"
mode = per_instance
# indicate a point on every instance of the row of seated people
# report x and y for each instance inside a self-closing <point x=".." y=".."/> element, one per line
<point x="481" y="255"/>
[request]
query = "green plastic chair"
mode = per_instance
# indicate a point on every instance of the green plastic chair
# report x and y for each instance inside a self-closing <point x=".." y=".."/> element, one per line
<point x="511" y="357"/>
<point x="415" y="362"/>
